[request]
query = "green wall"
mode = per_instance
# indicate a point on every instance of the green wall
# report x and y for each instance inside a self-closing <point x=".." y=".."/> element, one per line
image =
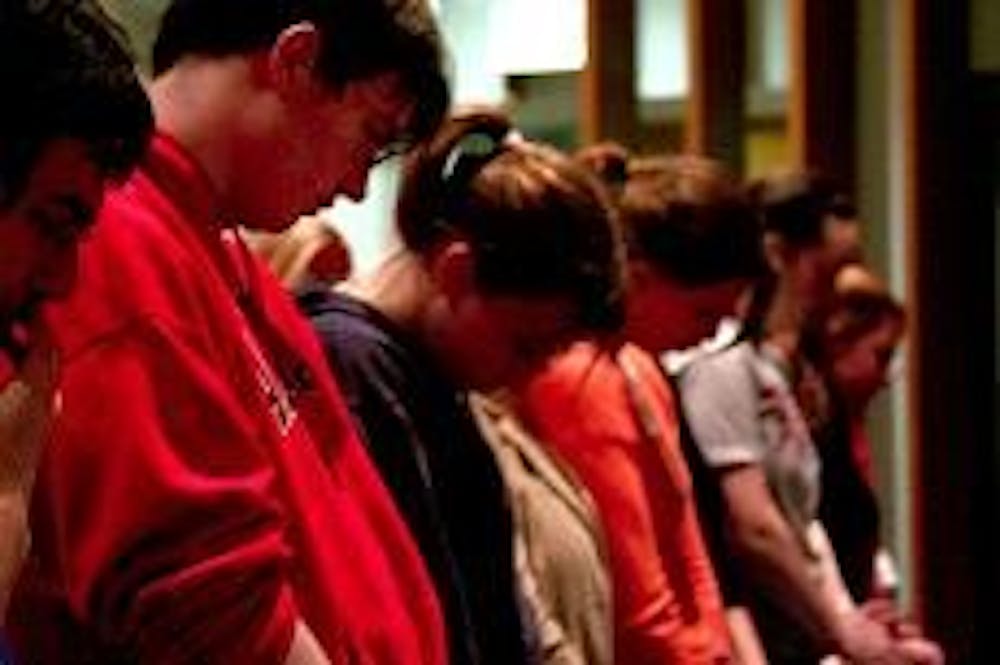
<point x="141" y="20"/>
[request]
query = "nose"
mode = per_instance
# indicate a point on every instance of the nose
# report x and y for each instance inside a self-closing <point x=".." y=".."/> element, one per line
<point x="58" y="275"/>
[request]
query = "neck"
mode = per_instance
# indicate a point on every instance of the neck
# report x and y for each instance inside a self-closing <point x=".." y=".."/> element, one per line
<point x="644" y="333"/>
<point x="200" y="104"/>
<point x="398" y="288"/>
<point x="784" y="321"/>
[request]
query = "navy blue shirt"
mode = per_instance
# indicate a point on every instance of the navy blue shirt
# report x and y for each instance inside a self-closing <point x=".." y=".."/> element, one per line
<point x="421" y="435"/>
<point x="5" y="656"/>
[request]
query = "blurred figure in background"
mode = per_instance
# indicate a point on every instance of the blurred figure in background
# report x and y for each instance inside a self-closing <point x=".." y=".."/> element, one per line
<point x="509" y="251"/>
<point x="73" y="118"/>
<point x="310" y="254"/>
<point x="862" y="331"/>
<point x="606" y="408"/>
<point x="695" y="255"/>
<point x="747" y="407"/>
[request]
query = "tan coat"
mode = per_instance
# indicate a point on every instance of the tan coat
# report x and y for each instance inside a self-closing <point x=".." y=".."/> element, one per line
<point x="559" y="543"/>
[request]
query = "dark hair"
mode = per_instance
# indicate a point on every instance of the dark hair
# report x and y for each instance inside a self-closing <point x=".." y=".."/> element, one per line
<point x="360" y="39"/>
<point x="691" y="219"/>
<point x="68" y="74"/>
<point x="796" y="205"/>
<point x="538" y="223"/>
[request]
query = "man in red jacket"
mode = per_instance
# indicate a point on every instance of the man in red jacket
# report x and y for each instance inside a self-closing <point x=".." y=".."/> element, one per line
<point x="74" y="116"/>
<point x="205" y="499"/>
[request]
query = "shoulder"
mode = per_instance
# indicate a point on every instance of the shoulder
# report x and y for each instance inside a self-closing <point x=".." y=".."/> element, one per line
<point x="721" y="404"/>
<point x="346" y="324"/>
<point x="581" y="393"/>
<point x="575" y="378"/>
<point x="371" y="357"/>
<point x="727" y="374"/>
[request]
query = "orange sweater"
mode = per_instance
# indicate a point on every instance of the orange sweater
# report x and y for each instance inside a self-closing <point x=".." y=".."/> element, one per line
<point x="613" y="420"/>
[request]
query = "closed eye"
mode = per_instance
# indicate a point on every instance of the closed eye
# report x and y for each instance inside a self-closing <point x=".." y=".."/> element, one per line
<point x="63" y="219"/>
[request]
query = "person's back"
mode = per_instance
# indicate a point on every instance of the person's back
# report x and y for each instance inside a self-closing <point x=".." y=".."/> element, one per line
<point x="609" y="413"/>
<point x="206" y="499"/>
<point x="693" y="247"/>
<point x="508" y="248"/>
<point x="560" y="551"/>
<point x="420" y="434"/>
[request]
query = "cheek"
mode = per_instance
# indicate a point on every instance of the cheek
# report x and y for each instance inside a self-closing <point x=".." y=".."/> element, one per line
<point x="20" y="261"/>
<point x="857" y="372"/>
<point x="20" y="248"/>
<point x="467" y="345"/>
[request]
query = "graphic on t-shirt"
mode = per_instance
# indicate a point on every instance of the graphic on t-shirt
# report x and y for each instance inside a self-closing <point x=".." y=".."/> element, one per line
<point x="279" y="401"/>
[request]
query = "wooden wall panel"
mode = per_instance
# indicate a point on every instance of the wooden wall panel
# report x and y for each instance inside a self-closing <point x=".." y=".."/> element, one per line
<point x="821" y="113"/>
<point x="717" y="33"/>
<point x="608" y="103"/>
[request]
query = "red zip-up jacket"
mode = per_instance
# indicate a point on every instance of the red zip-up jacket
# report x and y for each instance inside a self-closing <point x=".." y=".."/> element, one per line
<point x="204" y="489"/>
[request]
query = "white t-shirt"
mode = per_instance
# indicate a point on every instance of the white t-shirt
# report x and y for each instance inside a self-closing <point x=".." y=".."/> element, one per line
<point x="741" y="410"/>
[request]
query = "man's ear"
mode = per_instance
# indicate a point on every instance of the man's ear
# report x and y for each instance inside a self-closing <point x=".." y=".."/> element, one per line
<point x="774" y="252"/>
<point x="291" y="61"/>
<point x="452" y="269"/>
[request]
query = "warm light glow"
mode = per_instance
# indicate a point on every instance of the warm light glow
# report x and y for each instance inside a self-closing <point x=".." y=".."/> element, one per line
<point x="532" y="37"/>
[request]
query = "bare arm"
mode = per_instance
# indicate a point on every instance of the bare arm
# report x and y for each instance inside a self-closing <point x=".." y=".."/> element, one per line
<point x="746" y="642"/>
<point x="27" y="404"/>
<point x="764" y="541"/>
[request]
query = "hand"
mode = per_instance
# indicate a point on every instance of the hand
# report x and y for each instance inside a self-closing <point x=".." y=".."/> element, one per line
<point x="867" y="642"/>
<point x="920" y="651"/>
<point x="885" y="612"/>
<point x="27" y="406"/>
<point x="909" y="641"/>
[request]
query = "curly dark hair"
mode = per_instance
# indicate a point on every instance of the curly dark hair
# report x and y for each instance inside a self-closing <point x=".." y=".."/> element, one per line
<point x="70" y="75"/>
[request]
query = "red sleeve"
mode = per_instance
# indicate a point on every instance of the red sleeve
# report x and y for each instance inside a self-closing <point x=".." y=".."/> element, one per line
<point x="160" y="502"/>
<point x="649" y="620"/>
<point x="595" y="440"/>
<point x="653" y="536"/>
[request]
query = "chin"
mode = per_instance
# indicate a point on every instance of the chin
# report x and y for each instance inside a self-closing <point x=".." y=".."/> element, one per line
<point x="484" y="380"/>
<point x="484" y="384"/>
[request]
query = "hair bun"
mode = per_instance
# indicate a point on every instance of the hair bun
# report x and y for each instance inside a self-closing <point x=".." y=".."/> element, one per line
<point x="608" y="161"/>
